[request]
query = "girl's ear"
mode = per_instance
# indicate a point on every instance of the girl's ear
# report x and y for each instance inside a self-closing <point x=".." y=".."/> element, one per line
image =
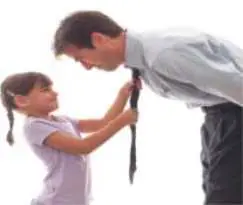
<point x="21" y="101"/>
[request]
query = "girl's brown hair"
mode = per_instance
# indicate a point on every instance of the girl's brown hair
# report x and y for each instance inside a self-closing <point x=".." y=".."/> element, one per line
<point x="19" y="84"/>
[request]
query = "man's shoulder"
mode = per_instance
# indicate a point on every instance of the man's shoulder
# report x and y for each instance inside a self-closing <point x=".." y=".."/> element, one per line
<point x="144" y="48"/>
<point x="170" y="37"/>
<point x="154" y="43"/>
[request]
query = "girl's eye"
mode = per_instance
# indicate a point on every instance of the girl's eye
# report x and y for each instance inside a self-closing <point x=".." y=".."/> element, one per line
<point x="45" y="89"/>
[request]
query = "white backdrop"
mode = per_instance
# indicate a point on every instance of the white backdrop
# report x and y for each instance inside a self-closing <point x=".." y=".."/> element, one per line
<point x="168" y="141"/>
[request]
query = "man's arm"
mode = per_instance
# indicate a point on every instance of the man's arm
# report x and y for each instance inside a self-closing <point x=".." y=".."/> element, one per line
<point x="212" y="74"/>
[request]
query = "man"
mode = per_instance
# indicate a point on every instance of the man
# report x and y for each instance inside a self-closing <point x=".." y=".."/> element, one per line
<point x="196" y="68"/>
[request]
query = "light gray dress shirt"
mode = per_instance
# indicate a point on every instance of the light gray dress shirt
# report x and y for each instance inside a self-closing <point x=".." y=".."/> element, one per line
<point x="197" y="68"/>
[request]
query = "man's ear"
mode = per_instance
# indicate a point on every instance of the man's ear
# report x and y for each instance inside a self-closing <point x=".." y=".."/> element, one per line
<point x="21" y="101"/>
<point x="98" y="40"/>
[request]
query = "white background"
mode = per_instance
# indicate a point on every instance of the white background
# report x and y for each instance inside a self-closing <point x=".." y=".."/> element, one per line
<point x="168" y="141"/>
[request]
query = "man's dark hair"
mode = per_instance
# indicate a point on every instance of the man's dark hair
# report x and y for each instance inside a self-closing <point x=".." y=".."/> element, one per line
<point x="19" y="84"/>
<point x="76" y="29"/>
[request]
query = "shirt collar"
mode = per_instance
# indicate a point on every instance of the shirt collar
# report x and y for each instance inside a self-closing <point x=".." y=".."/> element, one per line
<point x="134" y="53"/>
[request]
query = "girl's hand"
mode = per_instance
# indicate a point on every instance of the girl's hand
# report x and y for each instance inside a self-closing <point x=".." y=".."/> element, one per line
<point x="130" y="116"/>
<point x="127" y="88"/>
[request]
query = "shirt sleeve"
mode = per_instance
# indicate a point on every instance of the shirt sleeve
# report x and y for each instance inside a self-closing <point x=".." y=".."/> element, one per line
<point x="209" y="71"/>
<point x="37" y="131"/>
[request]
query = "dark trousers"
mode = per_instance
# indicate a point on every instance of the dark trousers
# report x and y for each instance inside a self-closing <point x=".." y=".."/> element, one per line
<point x="221" y="154"/>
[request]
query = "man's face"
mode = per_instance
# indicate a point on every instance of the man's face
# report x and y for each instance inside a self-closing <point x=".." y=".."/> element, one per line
<point x="103" y="56"/>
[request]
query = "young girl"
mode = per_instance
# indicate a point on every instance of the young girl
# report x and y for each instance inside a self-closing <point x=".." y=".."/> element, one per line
<point x="56" y="140"/>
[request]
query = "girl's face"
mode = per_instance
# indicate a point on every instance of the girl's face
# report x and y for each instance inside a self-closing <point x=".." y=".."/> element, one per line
<point x="40" y="101"/>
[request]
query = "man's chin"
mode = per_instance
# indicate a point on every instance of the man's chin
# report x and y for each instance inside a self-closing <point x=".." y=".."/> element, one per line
<point x="108" y="69"/>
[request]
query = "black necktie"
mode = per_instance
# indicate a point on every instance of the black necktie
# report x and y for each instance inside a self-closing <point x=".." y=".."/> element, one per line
<point x="133" y="104"/>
